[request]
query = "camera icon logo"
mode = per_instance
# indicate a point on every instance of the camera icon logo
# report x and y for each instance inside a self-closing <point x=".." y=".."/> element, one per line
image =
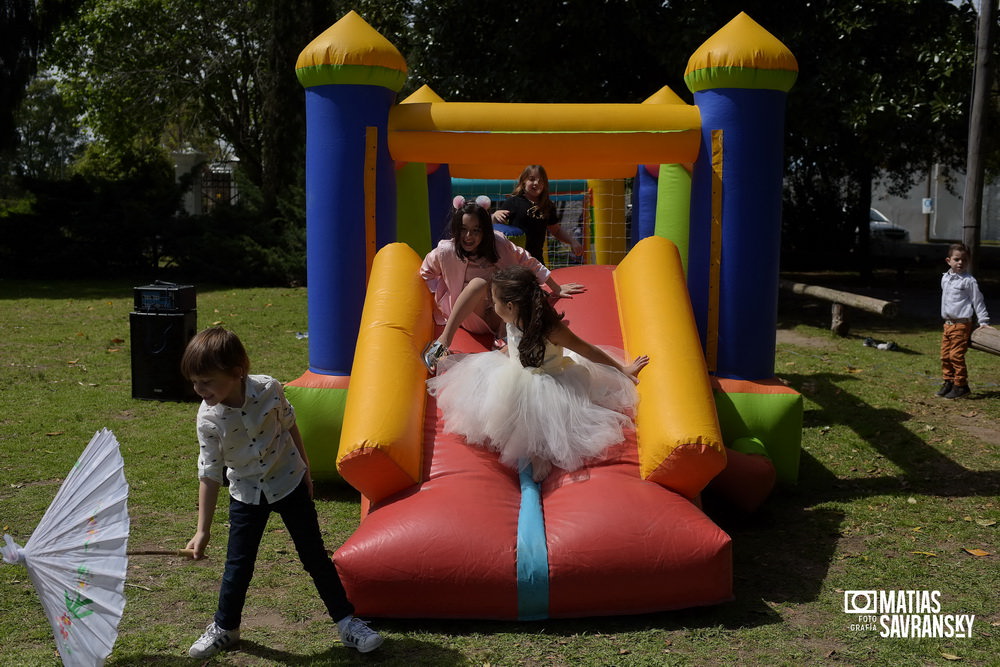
<point x="860" y="602"/>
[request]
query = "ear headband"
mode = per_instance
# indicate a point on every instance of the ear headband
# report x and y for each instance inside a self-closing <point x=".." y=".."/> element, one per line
<point x="482" y="201"/>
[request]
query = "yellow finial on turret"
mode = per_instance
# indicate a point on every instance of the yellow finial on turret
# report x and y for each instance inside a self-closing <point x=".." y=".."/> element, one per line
<point x="742" y="54"/>
<point x="351" y="51"/>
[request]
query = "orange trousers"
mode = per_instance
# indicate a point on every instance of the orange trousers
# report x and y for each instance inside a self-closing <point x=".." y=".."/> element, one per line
<point x="954" y="344"/>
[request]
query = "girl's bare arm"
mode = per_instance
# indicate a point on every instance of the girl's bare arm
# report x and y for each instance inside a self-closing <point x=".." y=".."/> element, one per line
<point x="564" y="336"/>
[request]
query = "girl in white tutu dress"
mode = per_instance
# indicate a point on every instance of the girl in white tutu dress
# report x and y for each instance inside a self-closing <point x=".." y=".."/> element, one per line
<point x="549" y="398"/>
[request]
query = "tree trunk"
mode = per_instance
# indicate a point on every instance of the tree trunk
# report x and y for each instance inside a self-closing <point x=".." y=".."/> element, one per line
<point x="838" y="320"/>
<point x="972" y="204"/>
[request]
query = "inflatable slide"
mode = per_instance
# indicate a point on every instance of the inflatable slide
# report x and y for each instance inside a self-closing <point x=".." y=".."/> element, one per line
<point x="448" y="532"/>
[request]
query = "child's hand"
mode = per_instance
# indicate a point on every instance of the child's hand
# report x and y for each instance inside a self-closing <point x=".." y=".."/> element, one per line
<point x="500" y="216"/>
<point x="571" y="288"/>
<point x="632" y="370"/>
<point x="197" y="544"/>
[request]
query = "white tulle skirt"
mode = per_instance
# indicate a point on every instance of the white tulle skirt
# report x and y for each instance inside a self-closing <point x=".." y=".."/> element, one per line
<point x="567" y="412"/>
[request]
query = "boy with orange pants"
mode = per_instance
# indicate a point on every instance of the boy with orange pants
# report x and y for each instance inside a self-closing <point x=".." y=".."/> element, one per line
<point x="960" y="300"/>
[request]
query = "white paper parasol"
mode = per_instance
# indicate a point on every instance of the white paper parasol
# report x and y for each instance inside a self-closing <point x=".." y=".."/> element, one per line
<point x="76" y="556"/>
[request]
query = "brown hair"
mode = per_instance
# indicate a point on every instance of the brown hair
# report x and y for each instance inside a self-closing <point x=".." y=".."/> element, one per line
<point x="519" y="286"/>
<point x="957" y="247"/>
<point x="487" y="248"/>
<point x="546" y="209"/>
<point x="214" y="350"/>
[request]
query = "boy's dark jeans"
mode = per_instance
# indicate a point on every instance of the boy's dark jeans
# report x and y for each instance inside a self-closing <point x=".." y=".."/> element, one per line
<point x="246" y="528"/>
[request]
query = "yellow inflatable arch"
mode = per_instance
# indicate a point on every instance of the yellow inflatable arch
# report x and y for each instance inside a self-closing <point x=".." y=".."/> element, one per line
<point x="572" y="140"/>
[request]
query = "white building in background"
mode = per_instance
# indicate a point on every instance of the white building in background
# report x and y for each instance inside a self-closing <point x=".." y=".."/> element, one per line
<point x="213" y="183"/>
<point x="932" y="213"/>
<point x="184" y="163"/>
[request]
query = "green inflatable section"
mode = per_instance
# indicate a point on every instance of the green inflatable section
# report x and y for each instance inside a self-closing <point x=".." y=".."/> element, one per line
<point x="749" y="446"/>
<point x="359" y="75"/>
<point x="413" y="223"/>
<point x="319" y="413"/>
<point x="773" y="420"/>
<point x="740" y="77"/>
<point x="673" y="208"/>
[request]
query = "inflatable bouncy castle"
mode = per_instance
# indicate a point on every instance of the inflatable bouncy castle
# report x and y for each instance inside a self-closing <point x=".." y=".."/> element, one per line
<point x="447" y="531"/>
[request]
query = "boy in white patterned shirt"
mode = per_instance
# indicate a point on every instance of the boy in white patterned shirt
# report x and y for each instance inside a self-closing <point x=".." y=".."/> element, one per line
<point x="960" y="300"/>
<point x="245" y="424"/>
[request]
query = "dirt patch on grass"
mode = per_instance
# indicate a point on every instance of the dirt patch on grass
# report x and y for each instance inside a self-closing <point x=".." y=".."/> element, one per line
<point x="978" y="427"/>
<point x="255" y="617"/>
<point x="962" y="414"/>
<point x="791" y="337"/>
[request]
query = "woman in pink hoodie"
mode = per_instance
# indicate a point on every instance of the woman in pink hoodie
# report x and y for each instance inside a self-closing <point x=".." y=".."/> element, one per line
<point x="458" y="273"/>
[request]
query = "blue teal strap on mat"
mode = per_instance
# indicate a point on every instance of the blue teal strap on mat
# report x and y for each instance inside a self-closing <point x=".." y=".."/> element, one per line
<point x="532" y="553"/>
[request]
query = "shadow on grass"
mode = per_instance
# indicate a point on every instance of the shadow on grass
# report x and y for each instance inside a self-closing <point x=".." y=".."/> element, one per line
<point x="747" y="610"/>
<point x="68" y="289"/>
<point x="86" y="289"/>
<point x="925" y="469"/>
<point x="404" y="650"/>
<point x="336" y="492"/>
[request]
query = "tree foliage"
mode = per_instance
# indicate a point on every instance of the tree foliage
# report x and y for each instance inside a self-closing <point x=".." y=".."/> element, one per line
<point x="214" y="76"/>
<point x="18" y="53"/>
<point x="544" y="51"/>
<point x="50" y="137"/>
<point x="25" y="26"/>
<point x="91" y="224"/>
<point x="882" y="92"/>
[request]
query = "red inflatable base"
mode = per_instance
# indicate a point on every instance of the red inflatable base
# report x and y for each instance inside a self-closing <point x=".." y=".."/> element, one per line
<point x="448" y="548"/>
<point x="746" y="482"/>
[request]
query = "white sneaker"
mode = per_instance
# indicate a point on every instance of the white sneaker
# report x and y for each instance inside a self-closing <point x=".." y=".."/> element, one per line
<point x="214" y="640"/>
<point x="358" y="635"/>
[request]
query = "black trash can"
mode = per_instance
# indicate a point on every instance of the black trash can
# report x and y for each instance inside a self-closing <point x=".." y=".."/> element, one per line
<point x="165" y="318"/>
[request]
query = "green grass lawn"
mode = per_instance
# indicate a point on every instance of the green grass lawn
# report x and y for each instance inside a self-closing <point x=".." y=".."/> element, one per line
<point x="898" y="490"/>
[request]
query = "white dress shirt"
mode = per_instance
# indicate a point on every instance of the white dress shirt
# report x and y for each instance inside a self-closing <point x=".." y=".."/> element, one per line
<point x="960" y="298"/>
<point x="254" y="441"/>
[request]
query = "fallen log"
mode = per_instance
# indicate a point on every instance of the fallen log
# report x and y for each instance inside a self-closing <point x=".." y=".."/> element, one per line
<point x="839" y="323"/>
<point x="986" y="339"/>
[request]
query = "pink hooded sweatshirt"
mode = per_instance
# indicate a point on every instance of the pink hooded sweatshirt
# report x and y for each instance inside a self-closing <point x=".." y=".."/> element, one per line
<point x="444" y="271"/>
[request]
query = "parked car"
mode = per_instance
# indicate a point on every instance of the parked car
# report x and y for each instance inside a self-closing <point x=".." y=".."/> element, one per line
<point x="881" y="227"/>
<point x="886" y="237"/>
